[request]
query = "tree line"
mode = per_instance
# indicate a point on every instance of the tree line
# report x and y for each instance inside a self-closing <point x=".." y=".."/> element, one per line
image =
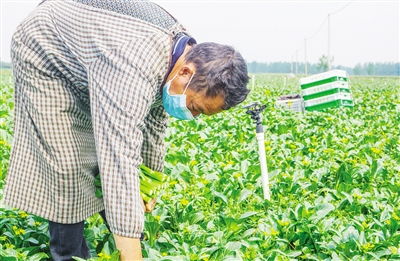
<point x="371" y="68"/>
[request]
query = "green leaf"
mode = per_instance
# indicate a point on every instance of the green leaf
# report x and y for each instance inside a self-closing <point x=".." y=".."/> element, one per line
<point x="8" y="258"/>
<point x="322" y="211"/>
<point x="248" y="214"/>
<point x="78" y="258"/>
<point x="221" y="196"/>
<point x="244" y="194"/>
<point x="32" y="240"/>
<point x="294" y="254"/>
<point x="38" y="257"/>
<point x="115" y="256"/>
<point x="233" y="246"/>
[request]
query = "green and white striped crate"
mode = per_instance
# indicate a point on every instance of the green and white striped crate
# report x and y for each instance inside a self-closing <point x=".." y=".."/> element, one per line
<point x="326" y="90"/>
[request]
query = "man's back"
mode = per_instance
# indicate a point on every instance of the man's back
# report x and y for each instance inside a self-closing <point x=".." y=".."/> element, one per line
<point x="69" y="35"/>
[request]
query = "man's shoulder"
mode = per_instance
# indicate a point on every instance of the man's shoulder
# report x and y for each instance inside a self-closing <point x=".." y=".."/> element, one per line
<point x="140" y="9"/>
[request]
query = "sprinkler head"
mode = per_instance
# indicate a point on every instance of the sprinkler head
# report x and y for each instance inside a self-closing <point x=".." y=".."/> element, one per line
<point x="255" y="109"/>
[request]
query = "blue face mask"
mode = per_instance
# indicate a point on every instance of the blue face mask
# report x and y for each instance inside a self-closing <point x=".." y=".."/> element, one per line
<point x="175" y="104"/>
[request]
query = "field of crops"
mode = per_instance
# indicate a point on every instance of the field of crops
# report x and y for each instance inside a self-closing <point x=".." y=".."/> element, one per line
<point x="334" y="178"/>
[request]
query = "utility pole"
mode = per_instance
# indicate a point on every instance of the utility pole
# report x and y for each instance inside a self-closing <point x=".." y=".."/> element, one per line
<point x="305" y="56"/>
<point x="297" y="60"/>
<point x="329" y="41"/>
<point x="291" y="64"/>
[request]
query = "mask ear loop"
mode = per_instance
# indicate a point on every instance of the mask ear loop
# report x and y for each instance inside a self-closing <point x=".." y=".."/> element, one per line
<point x="174" y="77"/>
<point x="170" y="81"/>
<point x="187" y="85"/>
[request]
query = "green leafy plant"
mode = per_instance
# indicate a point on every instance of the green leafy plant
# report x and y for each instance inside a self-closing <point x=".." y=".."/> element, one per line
<point x="334" y="178"/>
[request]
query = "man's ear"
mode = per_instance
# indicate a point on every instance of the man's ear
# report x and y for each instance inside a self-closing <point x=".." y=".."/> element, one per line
<point x="187" y="70"/>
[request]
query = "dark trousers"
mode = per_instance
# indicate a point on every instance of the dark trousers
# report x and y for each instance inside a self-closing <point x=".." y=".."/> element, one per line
<point x="67" y="240"/>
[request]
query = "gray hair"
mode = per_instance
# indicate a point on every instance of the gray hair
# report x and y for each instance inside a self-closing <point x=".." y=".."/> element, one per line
<point x="220" y="69"/>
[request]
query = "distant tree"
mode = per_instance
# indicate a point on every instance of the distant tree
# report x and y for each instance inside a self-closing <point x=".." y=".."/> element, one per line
<point x="323" y="63"/>
<point x="370" y="68"/>
<point x="357" y="69"/>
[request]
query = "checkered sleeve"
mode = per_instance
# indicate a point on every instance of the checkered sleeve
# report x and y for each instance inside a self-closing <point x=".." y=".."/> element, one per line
<point x="153" y="149"/>
<point x="120" y="99"/>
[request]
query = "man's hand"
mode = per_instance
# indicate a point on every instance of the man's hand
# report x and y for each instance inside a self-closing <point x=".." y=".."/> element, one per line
<point x="149" y="206"/>
<point x="130" y="248"/>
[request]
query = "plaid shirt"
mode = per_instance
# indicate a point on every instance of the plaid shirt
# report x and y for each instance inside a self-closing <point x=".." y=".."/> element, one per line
<point x="88" y="78"/>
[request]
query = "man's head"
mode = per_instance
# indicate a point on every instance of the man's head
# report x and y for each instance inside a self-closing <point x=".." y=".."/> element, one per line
<point x="219" y="78"/>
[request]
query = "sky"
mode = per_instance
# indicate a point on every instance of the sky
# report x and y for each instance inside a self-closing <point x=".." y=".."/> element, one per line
<point x="270" y="31"/>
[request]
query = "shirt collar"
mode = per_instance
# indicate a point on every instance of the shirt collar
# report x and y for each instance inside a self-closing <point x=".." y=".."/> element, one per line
<point x="179" y="46"/>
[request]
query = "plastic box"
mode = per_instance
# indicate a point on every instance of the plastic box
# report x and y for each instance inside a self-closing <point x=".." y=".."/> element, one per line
<point x="326" y="90"/>
<point x="292" y="102"/>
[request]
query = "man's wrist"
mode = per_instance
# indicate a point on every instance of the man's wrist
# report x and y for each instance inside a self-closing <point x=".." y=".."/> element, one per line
<point x="130" y="248"/>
